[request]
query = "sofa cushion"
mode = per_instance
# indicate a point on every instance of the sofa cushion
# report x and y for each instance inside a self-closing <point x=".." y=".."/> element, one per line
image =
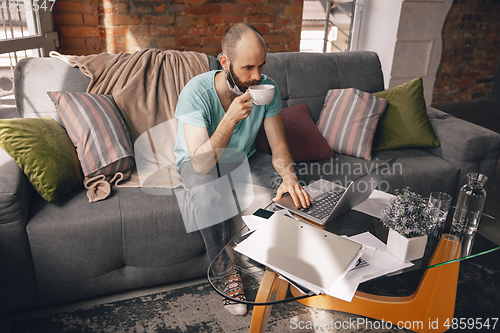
<point x="44" y="152"/>
<point x="405" y="122"/>
<point x="129" y="240"/>
<point x="423" y="171"/>
<point x="97" y="130"/>
<point x="349" y="119"/>
<point x="304" y="139"/>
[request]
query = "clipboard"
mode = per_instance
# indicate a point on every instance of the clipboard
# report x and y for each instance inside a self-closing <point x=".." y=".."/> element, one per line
<point x="308" y="255"/>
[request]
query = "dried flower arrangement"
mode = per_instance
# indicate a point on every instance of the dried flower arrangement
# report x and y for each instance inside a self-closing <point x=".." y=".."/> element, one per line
<point x="407" y="213"/>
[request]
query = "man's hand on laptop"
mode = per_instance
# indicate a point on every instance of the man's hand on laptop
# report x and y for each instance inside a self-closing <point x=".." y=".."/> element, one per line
<point x="299" y="196"/>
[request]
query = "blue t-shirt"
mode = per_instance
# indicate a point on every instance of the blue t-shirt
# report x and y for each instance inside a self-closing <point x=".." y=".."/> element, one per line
<point x="199" y="106"/>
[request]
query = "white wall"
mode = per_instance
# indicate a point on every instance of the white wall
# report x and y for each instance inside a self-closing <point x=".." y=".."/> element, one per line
<point x="378" y="31"/>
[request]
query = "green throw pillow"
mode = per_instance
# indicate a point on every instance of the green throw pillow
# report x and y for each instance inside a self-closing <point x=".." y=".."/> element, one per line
<point x="405" y="122"/>
<point x="45" y="153"/>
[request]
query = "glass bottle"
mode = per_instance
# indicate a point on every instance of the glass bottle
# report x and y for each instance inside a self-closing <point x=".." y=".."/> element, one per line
<point x="470" y="204"/>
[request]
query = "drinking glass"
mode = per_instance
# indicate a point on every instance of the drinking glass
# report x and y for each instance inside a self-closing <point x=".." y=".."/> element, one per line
<point x="439" y="204"/>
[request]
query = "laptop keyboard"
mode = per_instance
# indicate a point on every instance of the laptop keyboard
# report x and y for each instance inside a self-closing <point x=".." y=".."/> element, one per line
<point x="323" y="207"/>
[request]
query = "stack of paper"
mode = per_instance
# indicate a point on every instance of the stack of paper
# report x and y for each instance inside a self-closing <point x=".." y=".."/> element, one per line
<point x="377" y="261"/>
<point x="300" y="253"/>
<point x="375" y="203"/>
<point x="312" y="258"/>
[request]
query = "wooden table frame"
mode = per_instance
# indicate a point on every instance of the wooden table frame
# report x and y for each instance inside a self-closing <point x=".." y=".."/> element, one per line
<point x="432" y="303"/>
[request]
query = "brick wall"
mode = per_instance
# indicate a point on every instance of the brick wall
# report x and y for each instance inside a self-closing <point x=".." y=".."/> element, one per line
<point x="471" y="51"/>
<point x="114" y="26"/>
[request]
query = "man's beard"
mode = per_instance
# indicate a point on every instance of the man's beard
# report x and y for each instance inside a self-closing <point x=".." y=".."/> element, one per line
<point x="242" y="86"/>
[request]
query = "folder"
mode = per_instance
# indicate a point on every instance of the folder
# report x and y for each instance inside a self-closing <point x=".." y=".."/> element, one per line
<point x="311" y="257"/>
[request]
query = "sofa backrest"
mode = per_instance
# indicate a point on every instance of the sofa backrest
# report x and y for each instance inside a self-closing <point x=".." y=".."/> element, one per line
<point x="33" y="77"/>
<point x="307" y="77"/>
<point x="301" y="77"/>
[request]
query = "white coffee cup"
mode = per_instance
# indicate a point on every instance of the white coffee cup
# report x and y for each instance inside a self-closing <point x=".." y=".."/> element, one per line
<point x="262" y="94"/>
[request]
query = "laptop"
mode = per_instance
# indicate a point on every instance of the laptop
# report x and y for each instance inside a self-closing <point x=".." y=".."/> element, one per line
<point x="332" y="200"/>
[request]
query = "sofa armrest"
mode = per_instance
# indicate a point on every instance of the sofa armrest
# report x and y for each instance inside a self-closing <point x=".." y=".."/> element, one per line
<point x="17" y="279"/>
<point x="14" y="191"/>
<point x="470" y="147"/>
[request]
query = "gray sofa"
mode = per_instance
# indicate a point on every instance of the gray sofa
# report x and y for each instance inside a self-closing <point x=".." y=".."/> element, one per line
<point x="71" y="249"/>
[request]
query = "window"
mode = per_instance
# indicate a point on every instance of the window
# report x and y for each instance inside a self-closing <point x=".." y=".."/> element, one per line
<point x="327" y="25"/>
<point x="26" y="30"/>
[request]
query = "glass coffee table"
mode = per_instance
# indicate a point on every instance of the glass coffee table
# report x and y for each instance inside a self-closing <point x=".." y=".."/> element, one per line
<point x="432" y="303"/>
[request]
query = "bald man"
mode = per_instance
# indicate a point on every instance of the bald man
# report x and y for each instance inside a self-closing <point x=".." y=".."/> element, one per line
<point x="218" y="124"/>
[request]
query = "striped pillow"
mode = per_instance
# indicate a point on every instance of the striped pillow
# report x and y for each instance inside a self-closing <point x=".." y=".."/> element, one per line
<point x="95" y="126"/>
<point x="349" y="119"/>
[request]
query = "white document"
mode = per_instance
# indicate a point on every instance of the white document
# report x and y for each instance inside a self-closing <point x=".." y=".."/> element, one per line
<point x="253" y="221"/>
<point x="381" y="258"/>
<point x="375" y="203"/>
<point x="369" y="265"/>
<point x="345" y="288"/>
<point x="305" y="254"/>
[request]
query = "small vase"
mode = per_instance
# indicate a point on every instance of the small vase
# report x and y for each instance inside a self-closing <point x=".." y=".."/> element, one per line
<point x="406" y="249"/>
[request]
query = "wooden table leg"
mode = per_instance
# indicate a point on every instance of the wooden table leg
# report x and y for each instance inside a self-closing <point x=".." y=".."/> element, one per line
<point x="271" y="288"/>
<point x="427" y="310"/>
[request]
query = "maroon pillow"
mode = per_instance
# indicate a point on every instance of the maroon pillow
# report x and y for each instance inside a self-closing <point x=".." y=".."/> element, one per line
<point x="303" y="136"/>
